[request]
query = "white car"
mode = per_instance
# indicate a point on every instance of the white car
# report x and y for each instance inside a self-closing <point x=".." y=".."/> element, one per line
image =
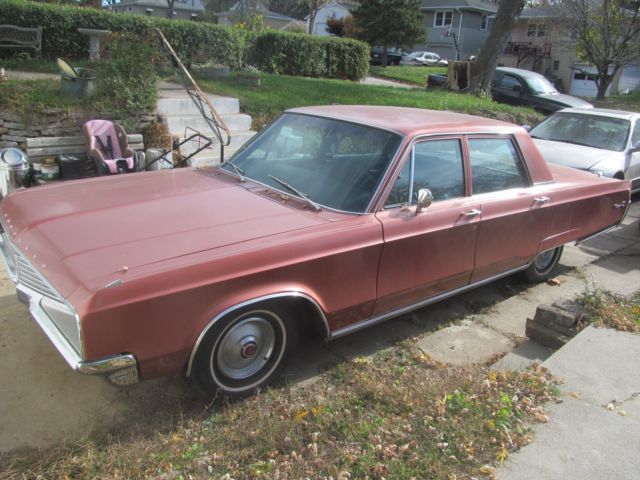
<point x="429" y="59"/>
<point x="604" y="142"/>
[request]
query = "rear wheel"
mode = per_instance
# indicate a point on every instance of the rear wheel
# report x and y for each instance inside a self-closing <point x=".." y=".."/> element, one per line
<point x="244" y="352"/>
<point x="543" y="265"/>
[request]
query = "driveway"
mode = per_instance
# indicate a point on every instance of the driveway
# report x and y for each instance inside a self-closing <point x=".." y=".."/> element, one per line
<point x="44" y="403"/>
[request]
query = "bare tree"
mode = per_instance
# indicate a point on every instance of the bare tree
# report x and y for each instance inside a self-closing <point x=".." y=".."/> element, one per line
<point x="485" y="65"/>
<point x="607" y="34"/>
<point x="170" y="4"/>
<point x="314" y="6"/>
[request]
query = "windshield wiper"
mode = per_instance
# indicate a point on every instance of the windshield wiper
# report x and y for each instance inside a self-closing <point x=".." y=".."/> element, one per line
<point x="238" y="170"/>
<point x="300" y="194"/>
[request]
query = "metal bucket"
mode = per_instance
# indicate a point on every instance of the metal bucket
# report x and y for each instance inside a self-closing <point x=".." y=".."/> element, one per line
<point x="80" y="85"/>
<point x="153" y="161"/>
<point x="14" y="170"/>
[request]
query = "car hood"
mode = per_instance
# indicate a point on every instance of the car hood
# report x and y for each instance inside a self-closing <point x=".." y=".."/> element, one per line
<point x="576" y="156"/>
<point x="84" y="230"/>
<point x="564" y="100"/>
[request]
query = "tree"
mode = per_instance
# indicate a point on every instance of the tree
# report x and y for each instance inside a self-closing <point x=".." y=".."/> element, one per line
<point x="389" y="23"/>
<point x="314" y="6"/>
<point x="170" y="5"/>
<point x="607" y="34"/>
<point x="483" y="68"/>
<point x="342" y="27"/>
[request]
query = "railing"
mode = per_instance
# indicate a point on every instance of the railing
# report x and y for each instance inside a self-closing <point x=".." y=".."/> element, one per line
<point x="200" y="100"/>
<point x="522" y="50"/>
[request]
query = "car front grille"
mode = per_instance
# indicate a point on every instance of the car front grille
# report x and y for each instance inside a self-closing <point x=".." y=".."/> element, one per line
<point x="31" y="278"/>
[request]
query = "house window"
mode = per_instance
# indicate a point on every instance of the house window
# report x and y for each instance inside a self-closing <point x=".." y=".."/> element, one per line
<point x="443" y="18"/>
<point x="483" y="22"/>
<point x="536" y="30"/>
<point x="148" y="11"/>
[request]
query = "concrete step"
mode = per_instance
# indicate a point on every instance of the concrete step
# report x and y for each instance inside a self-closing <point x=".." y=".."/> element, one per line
<point x="181" y="104"/>
<point x="178" y="123"/>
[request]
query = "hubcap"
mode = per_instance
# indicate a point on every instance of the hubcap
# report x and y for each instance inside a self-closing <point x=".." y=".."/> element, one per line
<point x="245" y="348"/>
<point x="544" y="259"/>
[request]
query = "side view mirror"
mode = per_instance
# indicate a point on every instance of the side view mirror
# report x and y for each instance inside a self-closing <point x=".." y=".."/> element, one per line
<point x="635" y="148"/>
<point x="425" y="198"/>
<point x="527" y="127"/>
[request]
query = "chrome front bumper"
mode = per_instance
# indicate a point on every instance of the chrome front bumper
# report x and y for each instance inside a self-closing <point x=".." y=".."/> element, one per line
<point x="59" y="321"/>
<point x="118" y="369"/>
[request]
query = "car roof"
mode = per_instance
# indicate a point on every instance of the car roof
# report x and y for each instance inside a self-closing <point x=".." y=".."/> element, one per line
<point x="519" y="71"/>
<point x="409" y="121"/>
<point x="603" y="112"/>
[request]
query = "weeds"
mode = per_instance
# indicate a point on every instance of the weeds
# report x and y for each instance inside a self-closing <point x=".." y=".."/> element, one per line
<point x="396" y="415"/>
<point x="605" y="309"/>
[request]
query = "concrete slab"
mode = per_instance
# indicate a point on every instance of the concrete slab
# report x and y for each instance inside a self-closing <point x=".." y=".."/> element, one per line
<point x="464" y="344"/>
<point x="573" y="257"/>
<point x="584" y="440"/>
<point x="617" y="273"/>
<point x="524" y="355"/>
<point x="387" y="83"/>
<point x="580" y="442"/>
<point x="606" y="244"/>
<point x="601" y="364"/>
<point x="629" y="231"/>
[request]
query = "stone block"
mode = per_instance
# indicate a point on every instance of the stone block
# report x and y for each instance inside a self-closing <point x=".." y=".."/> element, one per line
<point x="6" y="144"/>
<point x="553" y="325"/>
<point x="15" y="125"/>
<point x="12" y="138"/>
<point x="545" y="336"/>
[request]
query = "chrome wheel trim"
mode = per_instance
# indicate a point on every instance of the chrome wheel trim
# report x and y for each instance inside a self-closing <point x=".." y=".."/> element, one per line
<point x="245" y="348"/>
<point x="545" y="259"/>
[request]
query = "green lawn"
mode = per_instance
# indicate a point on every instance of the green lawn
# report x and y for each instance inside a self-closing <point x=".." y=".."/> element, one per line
<point x="30" y="97"/>
<point x="279" y="92"/>
<point x="407" y="73"/>
<point x="629" y="102"/>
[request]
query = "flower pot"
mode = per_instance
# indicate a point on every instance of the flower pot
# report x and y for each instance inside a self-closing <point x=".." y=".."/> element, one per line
<point x="220" y="71"/>
<point x="248" y="80"/>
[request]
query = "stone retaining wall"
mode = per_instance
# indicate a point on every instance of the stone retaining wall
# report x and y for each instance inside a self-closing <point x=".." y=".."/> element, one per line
<point x="14" y="128"/>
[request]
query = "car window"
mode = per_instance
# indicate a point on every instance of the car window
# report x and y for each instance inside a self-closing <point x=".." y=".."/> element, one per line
<point x="508" y="82"/>
<point x="334" y="163"/>
<point x="495" y="165"/>
<point x="434" y="164"/>
<point x="635" y="137"/>
<point x="595" y="131"/>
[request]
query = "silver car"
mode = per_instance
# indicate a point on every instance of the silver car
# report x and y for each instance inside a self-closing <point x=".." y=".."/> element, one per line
<point x="604" y="142"/>
<point x="428" y="59"/>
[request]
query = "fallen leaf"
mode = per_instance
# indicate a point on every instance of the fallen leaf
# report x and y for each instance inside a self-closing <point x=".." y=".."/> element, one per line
<point x="576" y="395"/>
<point x="301" y="414"/>
<point x="487" y="470"/>
<point x="541" y="417"/>
<point x="611" y="407"/>
<point x="554" y="282"/>
<point x="622" y="413"/>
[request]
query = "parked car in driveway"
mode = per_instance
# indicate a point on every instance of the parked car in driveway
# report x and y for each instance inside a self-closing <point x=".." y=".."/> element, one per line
<point x="604" y="142"/>
<point x="523" y="87"/>
<point x="428" y="59"/>
<point x="331" y="219"/>
<point x="394" y="56"/>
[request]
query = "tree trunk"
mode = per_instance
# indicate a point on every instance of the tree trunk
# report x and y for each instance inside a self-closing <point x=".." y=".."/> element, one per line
<point x="170" y="4"/>
<point x="312" y="19"/>
<point x="604" y="80"/>
<point x="485" y="65"/>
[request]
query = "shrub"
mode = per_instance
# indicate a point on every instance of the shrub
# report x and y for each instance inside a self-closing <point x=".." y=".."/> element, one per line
<point x="60" y="37"/>
<point x="126" y="80"/>
<point x="304" y="55"/>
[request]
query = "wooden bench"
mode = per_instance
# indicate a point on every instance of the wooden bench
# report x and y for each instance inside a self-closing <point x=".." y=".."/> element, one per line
<point x="18" y="37"/>
<point x="39" y="148"/>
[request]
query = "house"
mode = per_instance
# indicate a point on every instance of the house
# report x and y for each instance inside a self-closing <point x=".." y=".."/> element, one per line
<point x="540" y="42"/>
<point x="182" y="9"/>
<point x="273" y="20"/>
<point x="333" y="9"/>
<point x="456" y="29"/>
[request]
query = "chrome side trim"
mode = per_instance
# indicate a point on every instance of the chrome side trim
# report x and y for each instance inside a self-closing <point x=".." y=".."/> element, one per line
<point x="394" y="313"/>
<point x="292" y="294"/>
<point x="586" y="239"/>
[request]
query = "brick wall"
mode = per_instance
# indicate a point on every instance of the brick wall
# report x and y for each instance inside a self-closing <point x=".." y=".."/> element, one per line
<point x="14" y="128"/>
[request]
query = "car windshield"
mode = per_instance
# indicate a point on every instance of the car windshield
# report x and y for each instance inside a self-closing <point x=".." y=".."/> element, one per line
<point x="540" y="85"/>
<point x="333" y="163"/>
<point x="606" y="133"/>
<point x="416" y="54"/>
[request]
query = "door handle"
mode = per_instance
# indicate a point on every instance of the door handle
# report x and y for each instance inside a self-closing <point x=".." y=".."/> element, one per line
<point x="542" y="199"/>
<point x="471" y="213"/>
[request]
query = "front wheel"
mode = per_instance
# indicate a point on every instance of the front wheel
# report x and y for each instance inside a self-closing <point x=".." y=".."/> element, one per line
<point x="543" y="265"/>
<point x="244" y="352"/>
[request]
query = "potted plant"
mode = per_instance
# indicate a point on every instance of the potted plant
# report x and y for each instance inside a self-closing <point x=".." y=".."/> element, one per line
<point x="212" y="70"/>
<point x="249" y="76"/>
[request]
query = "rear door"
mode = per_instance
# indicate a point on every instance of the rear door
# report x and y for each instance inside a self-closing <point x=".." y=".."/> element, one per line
<point x="433" y="251"/>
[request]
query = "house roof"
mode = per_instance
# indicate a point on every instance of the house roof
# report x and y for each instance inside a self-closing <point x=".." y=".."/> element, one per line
<point x="190" y="5"/>
<point x="474" y="5"/>
<point x="540" y="12"/>
<point x="261" y="10"/>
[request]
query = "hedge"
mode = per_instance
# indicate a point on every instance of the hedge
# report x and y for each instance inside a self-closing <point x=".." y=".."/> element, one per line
<point x="270" y="51"/>
<point x="60" y="37"/>
<point x="303" y="55"/>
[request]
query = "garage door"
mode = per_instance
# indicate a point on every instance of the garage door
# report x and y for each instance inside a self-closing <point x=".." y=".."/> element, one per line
<point x="630" y="79"/>
<point x="584" y="85"/>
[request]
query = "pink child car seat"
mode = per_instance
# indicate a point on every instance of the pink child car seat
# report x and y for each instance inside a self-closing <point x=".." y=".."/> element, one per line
<point x="106" y="144"/>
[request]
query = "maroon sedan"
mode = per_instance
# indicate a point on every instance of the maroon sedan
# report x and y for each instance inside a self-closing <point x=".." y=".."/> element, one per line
<point x="335" y="217"/>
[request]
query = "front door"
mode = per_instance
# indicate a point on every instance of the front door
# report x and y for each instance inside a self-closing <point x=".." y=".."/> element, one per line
<point x="432" y="251"/>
